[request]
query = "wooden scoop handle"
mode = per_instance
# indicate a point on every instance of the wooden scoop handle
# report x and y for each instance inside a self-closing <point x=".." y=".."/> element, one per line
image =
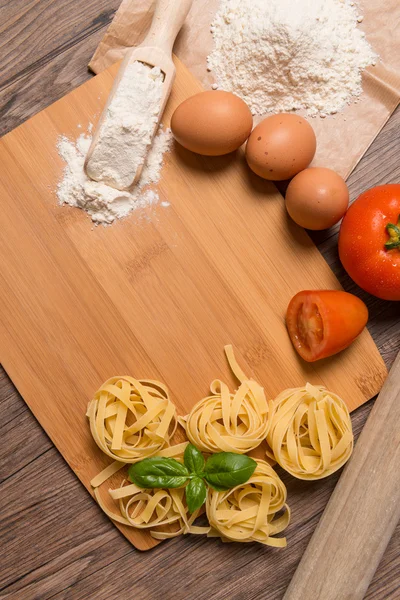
<point x="155" y="50"/>
<point x="169" y="16"/>
<point x="364" y="509"/>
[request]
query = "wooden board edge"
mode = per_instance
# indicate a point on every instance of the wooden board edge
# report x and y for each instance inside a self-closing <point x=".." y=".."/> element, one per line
<point x="145" y="542"/>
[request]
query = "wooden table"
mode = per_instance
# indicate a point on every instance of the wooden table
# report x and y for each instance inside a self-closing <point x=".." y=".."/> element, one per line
<point x="55" y="542"/>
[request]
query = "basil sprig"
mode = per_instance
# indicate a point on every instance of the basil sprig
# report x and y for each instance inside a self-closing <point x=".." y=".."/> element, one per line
<point x="221" y="471"/>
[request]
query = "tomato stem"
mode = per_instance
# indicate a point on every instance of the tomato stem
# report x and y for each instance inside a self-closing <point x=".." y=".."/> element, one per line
<point x="394" y="235"/>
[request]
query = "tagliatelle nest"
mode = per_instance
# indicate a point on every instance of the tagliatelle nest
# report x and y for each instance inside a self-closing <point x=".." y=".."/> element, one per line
<point x="163" y="512"/>
<point x="248" y="512"/>
<point x="131" y="419"/>
<point x="311" y="434"/>
<point x="308" y="430"/>
<point x="229" y="422"/>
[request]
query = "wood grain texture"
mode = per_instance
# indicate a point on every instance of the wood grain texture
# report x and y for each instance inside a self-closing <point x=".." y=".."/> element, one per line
<point x="362" y="513"/>
<point x="50" y="27"/>
<point x="157" y="295"/>
<point x="87" y="551"/>
<point x="81" y="556"/>
<point x="45" y="45"/>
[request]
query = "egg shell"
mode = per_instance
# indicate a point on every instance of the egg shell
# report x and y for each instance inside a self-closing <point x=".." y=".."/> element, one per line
<point x="212" y="123"/>
<point x="281" y="146"/>
<point x="317" y="198"/>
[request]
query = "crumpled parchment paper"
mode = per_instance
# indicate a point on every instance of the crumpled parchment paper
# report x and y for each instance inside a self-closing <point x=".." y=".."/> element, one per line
<point x="342" y="138"/>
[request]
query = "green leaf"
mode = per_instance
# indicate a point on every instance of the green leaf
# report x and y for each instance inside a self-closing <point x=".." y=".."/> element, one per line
<point x="157" y="472"/>
<point x="218" y="488"/>
<point x="196" y="493"/>
<point x="193" y="459"/>
<point x="226" y="470"/>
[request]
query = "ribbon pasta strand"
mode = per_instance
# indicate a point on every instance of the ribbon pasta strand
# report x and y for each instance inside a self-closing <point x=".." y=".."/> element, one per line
<point x="249" y="512"/>
<point x="226" y="422"/>
<point x="163" y="512"/>
<point x="311" y="434"/>
<point x="131" y="419"/>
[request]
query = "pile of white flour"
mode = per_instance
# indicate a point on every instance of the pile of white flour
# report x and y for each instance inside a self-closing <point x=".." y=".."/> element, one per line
<point x="283" y="55"/>
<point x="103" y="202"/>
<point x="127" y="129"/>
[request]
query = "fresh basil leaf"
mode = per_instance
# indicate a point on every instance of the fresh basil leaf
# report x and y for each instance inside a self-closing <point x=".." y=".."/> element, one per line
<point x="193" y="459"/>
<point x="226" y="470"/>
<point x="158" y="472"/>
<point x="218" y="488"/>
<point x="196" y="493"/>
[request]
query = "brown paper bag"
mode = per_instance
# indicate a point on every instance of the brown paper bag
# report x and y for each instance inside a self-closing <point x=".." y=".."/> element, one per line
<point x="342" y="138"/>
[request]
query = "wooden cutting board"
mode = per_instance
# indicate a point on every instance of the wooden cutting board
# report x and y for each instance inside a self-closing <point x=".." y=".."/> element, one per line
<point x="156" y="295"/>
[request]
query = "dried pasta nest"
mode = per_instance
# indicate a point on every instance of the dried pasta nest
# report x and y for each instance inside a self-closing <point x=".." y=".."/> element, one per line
<point x="229" y="422"/>
<point x="154" y="509"/>
<point x="311" y="434"/>
<point x="163" y="512"/>
<point x="249" y="512"/>
<point x="131" y="419"/>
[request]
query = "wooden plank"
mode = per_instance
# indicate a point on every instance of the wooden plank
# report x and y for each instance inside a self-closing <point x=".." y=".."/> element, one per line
<point x="157" y="297"/>
<point x="39" y="568"/>
<point x="81" y="556"/>
<point x="344" y="552"/>
<point x="26" y="48"/>
<point x="38" y="69"/>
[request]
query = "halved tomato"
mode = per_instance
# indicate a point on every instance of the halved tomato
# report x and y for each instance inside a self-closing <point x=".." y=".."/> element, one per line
<point x="324" y="322"/>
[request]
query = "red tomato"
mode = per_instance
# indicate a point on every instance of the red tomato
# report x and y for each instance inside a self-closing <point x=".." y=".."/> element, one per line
<point x="324" y="322"/>
<point x="369" y="241"/>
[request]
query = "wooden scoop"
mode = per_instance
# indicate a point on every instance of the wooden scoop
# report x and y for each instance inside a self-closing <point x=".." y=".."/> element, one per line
<point x="155" y="51"/>
<point x="362" y="513"/>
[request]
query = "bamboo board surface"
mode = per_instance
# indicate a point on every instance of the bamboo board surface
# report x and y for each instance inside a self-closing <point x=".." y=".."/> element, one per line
<point x="156" y="295"/>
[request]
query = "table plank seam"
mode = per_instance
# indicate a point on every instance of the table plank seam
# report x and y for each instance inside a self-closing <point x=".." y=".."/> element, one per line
<point x="97" y="24"/>
<point x="91" y="574"/>
<point x="32" y="91"/>
<point x="9" y="477"/>
<point x="44" y="577"/>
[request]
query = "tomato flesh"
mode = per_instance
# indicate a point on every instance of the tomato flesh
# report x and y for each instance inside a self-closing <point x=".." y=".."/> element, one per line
<point x="310" y="326"/>
<point x="324" y="322"/>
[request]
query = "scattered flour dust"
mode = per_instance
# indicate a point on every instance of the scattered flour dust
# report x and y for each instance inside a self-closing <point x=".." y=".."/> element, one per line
<point x="282" y="55"/>
<point x="103" y="202"/>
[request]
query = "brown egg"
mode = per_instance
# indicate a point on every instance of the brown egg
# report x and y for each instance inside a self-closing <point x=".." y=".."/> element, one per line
<point x="281" y="146"/>
<point x="317" y="198"/>
<point x="212" y="123"/>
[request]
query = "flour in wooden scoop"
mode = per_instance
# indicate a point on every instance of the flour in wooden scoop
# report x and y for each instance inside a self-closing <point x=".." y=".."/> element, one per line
<point x="127" y="129"/>
<point x="125" y="143"/>
<point x="102" y="202"/>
